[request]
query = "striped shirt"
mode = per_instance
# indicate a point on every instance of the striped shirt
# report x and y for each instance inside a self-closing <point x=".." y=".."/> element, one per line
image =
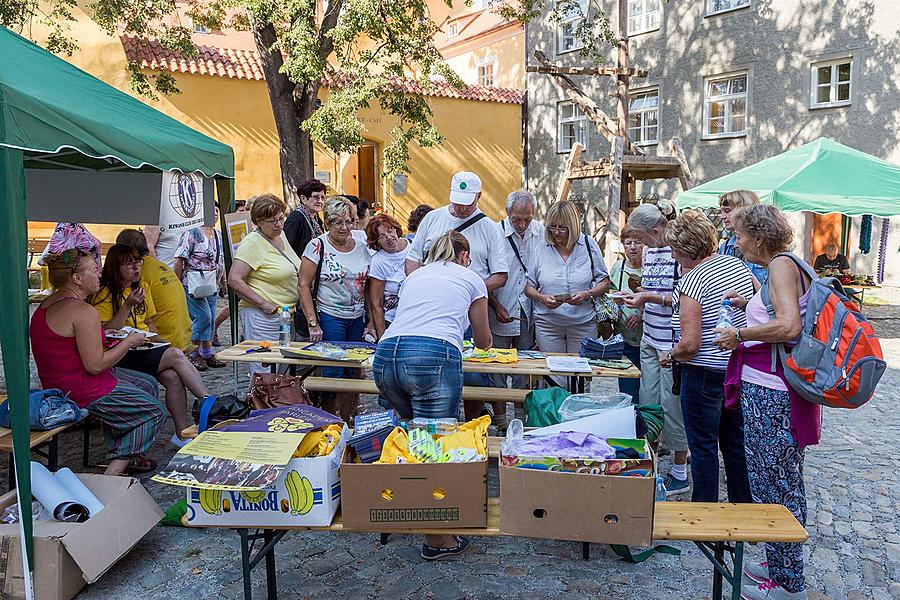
<point x="657" y="277"/>
<point x="707" y="283"/>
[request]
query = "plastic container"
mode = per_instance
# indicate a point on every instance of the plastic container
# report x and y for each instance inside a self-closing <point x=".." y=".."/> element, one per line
<point x="284" y="327"/>
<point x="434" y="426"/>
<point x="726" y="316"/>
<point x="660" y="489"/>
<point x="578" y="406"/>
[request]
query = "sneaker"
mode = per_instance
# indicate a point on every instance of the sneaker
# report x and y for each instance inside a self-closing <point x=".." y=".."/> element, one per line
<point x="769" y="590"/>
<point x="756" y="572"/>
<point x="432" y="553"/>
<point x="216" y="341"/>
<point x="676" y="486"/>
<point x="178" y="442"/>
<point x="487" y="409"/>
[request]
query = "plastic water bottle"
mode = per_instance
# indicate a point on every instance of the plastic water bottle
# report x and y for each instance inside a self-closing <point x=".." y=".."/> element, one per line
<point x="726" y="314"/>
<point x="660" y="489"/>
<point x="284" y="327"/>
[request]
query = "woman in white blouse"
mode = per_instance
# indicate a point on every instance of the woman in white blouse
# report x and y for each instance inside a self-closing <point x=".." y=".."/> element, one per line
<point x="564" y="277"/>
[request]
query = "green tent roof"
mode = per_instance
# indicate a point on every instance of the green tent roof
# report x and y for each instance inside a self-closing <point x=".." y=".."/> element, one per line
<point x="822" y="176"/>
<point x="48" y="106"/>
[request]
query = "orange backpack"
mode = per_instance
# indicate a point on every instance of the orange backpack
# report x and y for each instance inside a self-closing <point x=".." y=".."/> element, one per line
<point x="837" y="360"/>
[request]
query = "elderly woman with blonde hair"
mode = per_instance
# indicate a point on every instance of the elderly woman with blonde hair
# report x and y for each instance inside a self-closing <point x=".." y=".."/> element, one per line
<point x="696" y="304"/>
<point x="728" y="203"/>
<point x="334" y="270"/>
<point x="779" y="424"/>
<point x="564" y="276"/>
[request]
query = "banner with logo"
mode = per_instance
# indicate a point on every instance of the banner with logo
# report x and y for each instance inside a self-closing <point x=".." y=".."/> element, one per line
<point x="181" y="201"/>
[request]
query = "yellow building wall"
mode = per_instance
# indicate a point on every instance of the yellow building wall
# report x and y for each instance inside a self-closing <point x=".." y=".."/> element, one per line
<point x="484" y="137"/>
<point x="509" y="68"/>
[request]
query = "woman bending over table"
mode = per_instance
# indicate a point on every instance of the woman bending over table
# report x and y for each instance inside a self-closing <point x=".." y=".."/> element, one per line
<point x="778" y="424"/>
<point x="67" y="340"/>
<point x="123" y="299"/>
<point x="264" y="273"/>
<point x="418" y="362"/>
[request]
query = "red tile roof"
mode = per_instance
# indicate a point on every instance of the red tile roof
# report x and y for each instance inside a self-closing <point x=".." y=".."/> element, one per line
<point x="244" y="64"/>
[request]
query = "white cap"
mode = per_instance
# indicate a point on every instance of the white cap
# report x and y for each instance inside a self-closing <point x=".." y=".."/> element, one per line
<point x="464" y="188"/>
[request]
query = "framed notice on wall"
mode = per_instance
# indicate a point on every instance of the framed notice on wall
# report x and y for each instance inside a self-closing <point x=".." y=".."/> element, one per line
<point x="239" y="226"/>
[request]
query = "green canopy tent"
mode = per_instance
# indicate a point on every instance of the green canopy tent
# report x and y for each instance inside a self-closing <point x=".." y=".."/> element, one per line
<point x="821" y="176"/>
<point x="79" y="150"/>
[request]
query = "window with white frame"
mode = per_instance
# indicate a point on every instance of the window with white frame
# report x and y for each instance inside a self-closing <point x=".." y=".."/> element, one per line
<point x="200" y="28"/>
<point x="486" y="70"/>
<point x="643" y="117"/>
<point x="719" y="6"/>
<point x="570" y="126"/>
<point x="453" y="30"/>
<point x="643" y="16"/>
<point x="573" y="15"/>
<point x="725" y="106"/>
<point x="831" y="83"/>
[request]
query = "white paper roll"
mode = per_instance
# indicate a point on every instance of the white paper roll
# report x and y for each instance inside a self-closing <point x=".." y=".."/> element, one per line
<point x="81" y="492"/>
<point x="61" y="503"/>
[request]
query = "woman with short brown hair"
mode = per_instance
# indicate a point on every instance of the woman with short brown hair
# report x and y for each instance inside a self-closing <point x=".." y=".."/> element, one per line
<point x="386" y="272"/>
<point x="729" y="202"/>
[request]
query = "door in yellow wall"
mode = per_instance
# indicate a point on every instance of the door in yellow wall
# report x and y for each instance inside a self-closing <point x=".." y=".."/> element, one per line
<point x="368" y="174"/>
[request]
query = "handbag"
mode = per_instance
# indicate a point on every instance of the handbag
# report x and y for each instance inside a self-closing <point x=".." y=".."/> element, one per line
<point x="268" y="390"/>
<point x="213" y="410"/>
<point x="202" y="284"/>
<point x="606" y="312"/>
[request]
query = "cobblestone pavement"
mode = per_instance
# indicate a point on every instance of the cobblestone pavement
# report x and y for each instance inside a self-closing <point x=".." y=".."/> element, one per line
<point x="853" y="552"/>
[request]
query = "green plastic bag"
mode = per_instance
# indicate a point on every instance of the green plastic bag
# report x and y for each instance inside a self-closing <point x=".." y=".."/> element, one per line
<point x="174" y="513"/>
<point x="542" y="406"/>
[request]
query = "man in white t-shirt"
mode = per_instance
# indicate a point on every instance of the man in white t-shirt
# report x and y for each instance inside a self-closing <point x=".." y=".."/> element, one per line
<point x="462" y="214"/>
<point x="162" y="243"/>
<point x="485" y="244"/>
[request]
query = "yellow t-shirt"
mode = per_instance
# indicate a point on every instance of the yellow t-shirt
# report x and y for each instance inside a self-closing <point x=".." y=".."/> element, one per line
<point x="172" y="319"/>
<point x="272" y="276"/>
<point x="139" y="314"/>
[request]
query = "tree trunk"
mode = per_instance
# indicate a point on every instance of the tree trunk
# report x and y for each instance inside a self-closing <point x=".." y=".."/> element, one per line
<point x="291" y="105"/>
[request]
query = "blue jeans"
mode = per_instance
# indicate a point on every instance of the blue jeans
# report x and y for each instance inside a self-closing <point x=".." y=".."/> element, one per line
<point x="419" y="376"/>
<point x="632" y="385"/>
<point x="203" y="316"/>
<point x="335" y="329"/>
<point x="710" y="428"/>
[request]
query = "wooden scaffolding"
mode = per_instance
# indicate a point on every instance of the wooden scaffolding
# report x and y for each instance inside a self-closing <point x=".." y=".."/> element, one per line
<point x="626" y="163"/>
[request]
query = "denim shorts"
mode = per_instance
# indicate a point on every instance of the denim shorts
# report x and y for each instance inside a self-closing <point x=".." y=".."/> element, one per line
<point x="419" y="376"/>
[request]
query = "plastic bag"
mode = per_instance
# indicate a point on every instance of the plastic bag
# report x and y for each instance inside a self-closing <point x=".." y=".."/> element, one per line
<point x="578" y="406"/>
<point x="515" y="433"/>
<point x="11" y="514"/>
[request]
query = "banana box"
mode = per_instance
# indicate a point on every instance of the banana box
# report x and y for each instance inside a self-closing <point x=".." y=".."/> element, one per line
<point x="307" y="493"/>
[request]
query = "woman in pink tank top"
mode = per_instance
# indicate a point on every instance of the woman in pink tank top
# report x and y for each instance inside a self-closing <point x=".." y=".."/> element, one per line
<point x="68" y="345"/>
<point x="778" y="424"/>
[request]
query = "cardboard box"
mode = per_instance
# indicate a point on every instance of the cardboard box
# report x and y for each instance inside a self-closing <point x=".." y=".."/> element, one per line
<point x="414" y="496"/>
<point x="583" y="507"/>
<point x="69" y="555"/>
<point x="312" y="501"/>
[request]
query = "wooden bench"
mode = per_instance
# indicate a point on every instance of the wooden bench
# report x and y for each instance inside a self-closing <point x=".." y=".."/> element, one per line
<point x="716" y="529"/>
<point x="49" y="438"/>
<point x="367" y="386"/>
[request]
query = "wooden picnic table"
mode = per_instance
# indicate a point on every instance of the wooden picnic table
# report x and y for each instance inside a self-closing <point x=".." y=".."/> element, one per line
<point x="525" y="366"/>
<point x="717" y="529"/>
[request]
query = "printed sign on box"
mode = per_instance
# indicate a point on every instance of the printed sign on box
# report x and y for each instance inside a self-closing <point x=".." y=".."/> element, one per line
<point x="181" y="201"/>
<point x="307" y="493"/>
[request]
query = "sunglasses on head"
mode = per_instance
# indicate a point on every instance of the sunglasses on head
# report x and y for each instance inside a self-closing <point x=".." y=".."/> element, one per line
<point x="74" y="256"/>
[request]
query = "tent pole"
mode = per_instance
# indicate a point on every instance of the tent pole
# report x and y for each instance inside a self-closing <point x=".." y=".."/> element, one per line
<point x="225" y="194"/>
<point x="14" y="328"/>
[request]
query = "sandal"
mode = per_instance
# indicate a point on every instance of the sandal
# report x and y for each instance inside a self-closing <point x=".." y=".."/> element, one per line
<point x="214" y="362"/>
<point x="198" y="362"/>
<point x="139" y="465"/>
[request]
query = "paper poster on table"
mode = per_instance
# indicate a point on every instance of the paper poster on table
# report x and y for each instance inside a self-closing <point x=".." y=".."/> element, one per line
<point x="244" y="455"/>
<point x="238" y="226"/>
<point x="181" y="201"/>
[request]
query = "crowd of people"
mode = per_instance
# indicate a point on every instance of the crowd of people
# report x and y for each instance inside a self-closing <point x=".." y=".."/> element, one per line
<point x="455" y="274"/>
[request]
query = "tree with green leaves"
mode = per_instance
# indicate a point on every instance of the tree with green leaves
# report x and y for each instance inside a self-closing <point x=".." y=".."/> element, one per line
<point x="359" y="48"/>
